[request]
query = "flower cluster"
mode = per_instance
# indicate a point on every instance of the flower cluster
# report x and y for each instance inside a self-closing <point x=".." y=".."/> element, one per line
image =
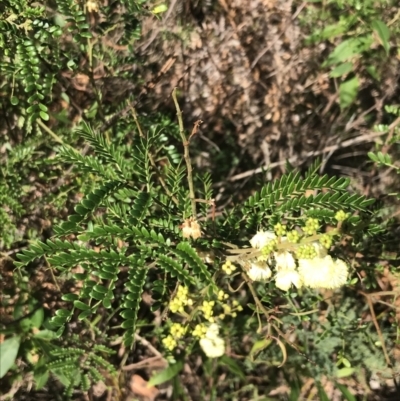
<point x="228" y="267"/>
<point x="200" y="330"/>
<point x="211" y="343"/>
<point x="177" y="331"/>
<point x="207" y="309"/>
<point x="305" y="264"/>
<point x="180" y="300"/>
<point x="206" y="331"/>
<point x="230" y="310"/>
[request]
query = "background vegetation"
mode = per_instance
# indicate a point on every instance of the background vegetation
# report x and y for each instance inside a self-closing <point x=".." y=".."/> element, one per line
<point x="95" y="196"/>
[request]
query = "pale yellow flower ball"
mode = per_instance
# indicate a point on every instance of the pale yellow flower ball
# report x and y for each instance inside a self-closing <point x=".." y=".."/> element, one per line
<point x="259" y="272"/>
<point x="262" y="238"/>
<point x="284" y="261"/>
<point x="323" y="272"/>
<point x="212" y="344"/>
<point x="286" y="278"/>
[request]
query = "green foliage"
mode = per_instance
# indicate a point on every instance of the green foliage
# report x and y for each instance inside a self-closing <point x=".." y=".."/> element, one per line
<point x="385" y="159"/>
<point x="314" y="196"/>
<point x="79" y="367"/>
<point x="128" y="212"/>
<point x="41" y="48"/>
<point x="75" y="360"/>
<point x="132" y="228"/>
<point x="132" y="221"/>
<point x="8" y="353"/>
<point x="360" y="32"/>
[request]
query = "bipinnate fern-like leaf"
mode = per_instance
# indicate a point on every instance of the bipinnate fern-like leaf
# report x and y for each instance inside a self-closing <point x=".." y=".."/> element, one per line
<point x="175" y="269"/>
<point x="137" y="280"/>
<point x="291" y="193"/>
<point x="174" y="175"/>
<point x="88" y="205"/>
<point x="39" y="249"/>
<point x="81" y="365"/>
<point x="106" y="151"/>
<point x="74" y="14"/>
<point x="186" y="252"/>
<point x="86" y="163"/>
<point x="142" y="166"/>
<point x="127" y="233"/>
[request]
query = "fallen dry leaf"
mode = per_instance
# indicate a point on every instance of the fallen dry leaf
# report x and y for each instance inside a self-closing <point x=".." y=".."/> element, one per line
<point x="140" y="387"/>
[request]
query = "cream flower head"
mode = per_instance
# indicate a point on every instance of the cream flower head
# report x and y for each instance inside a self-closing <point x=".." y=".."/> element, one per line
<point x="284" y="261"/>
<point x="259" y="271"/>
<point x="286" y="278"/>
<point x="323" y="272"/>
<point x="262" y="238"/>
<point x="212" y="344"/>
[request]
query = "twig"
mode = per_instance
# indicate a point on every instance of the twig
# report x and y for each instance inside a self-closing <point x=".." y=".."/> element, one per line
<point x="363" y="138"/>
<point x="186" y="154"/>
<point x="148" y="345"/>
<point x="256" y="299"/>
<point x="381" y="338"/>
<point x="145" y="363"/>
<point x="49" y="131"/>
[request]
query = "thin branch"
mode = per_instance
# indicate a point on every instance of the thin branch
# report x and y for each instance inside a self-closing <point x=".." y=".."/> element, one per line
<point x="186" y="153"/>
<point x="49" y="131"/>
<point x="381" y="338"/>
<point x="369" y="137"/>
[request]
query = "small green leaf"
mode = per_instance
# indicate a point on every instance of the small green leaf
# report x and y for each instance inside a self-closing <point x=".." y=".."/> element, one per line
<point x="321" y="393"/>
<point x="159" y="9"/>
<point x="371" y="69"/>
<point x="165" y="375"/>
<point x="128" y="324"/>
<point x="82" y="211"/>
<point x="45" y="335"/>
<point x="41" y="377"/>
<point x="57" y="321"/>
<point x="84" y="237"/>
<point x="84" y="314"/>
<point x="348" y="91"/>
<point x="344" y="372"/>
<point x="60" y="331"/>
<point x="259" y="346"/>
<point x="105" y="275"/>
<point x="107" y="303"/>
<point x="346" y="363"/>
<point x="70" y="297"/>
<point x="128" y="314"/>
<point x="8" y="352"/>
<point x="37" y="318"/>
<point x="98" y="296"/>
<point x="383" y="33"/>
<point x="64" y="313"/>
<point x="232" y="366"/>
<point x="80" y="305"/>
<point x="341" y="69"/>
<point x="348" y="49"/>
<point x="373" y="157"/>
<point x="44" y="116"/>
<point x="100" y="288"/>
<point x="346" y="393"/>
<point x="14" y="100"/>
